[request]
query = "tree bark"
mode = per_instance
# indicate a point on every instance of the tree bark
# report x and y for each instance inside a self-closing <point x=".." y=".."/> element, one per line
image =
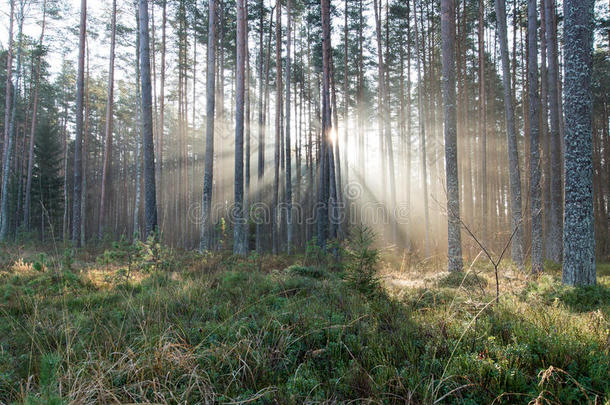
<point x="150" y="198"/>
<point x="278" y="111"/>
<point x="289" y="219"/>
<point x="205" y="236"/>
<point x="107" y="163"/>
<point x="28" y="186"/>
<point x="239" y="239"/>
<point x="534" y="122"/>
<point x="9" y="73"/>
<point x="449" y="104"/>
<point x="511" y="138"/>
<point x="554" y="241"/>
<point x="578" y="231"/>
<point x="78" y="160"/>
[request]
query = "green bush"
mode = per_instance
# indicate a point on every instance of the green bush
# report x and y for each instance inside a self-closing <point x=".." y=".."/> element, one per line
<point x="362" y="263"/>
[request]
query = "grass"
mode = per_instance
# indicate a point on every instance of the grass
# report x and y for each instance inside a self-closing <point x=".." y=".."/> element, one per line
<point x="186" y="328"/>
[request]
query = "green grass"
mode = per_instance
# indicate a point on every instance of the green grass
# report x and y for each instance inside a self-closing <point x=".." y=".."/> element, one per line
<point x="272" y="330"/>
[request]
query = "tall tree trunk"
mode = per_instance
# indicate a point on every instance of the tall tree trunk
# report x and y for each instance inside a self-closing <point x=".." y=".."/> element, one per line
<point x="324" y="177"/>
<point x="288" y="196"/>
<point x="247" y="197"/>
<point x="261" y="130"/>
<point x="482" y="119"/>
<point x="28" y="186"/>
<point x="205" y="240"/>
<point x="8" y="151"/>
<point x="345" y="96"/>
<point x="451" y="167"/>
<point x="422" y="138"/>
<point x="150" y="198"/>
<point x="239" y="236"/>
<point x="511" y="138"/>
<point x="78" y="159"/>
<point x="85" y="154"/>
<point x="9" y="73"/>
<point x="162" y="108"/>
<point x="554" y="247"/>
<point x="534" y="122"/>
<point x="578" y="231"/>
<point x="107" y="164"/>
<point x="278" y="111"/>
<point x="138" y="156"/>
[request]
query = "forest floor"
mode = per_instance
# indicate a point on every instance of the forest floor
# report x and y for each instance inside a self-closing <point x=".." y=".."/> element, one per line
<point x="154" y="325"/>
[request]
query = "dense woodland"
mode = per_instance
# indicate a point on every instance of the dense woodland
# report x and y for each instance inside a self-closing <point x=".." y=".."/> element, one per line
<point x="296" y="201"/>
<point x="274" y="124"/>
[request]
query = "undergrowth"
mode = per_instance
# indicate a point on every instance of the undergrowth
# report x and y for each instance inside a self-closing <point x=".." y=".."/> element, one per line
<point x="158" y="326"/>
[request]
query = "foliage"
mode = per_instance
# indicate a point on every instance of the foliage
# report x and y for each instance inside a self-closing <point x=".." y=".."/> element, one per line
<point x="363" y="259"/>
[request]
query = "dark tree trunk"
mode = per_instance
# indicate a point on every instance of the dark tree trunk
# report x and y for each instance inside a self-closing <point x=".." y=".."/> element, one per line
<point x="205" y="231"/>
<point x="78" y="160"/>
<point x="150" y="198"/>
<point x="239" y="239"/>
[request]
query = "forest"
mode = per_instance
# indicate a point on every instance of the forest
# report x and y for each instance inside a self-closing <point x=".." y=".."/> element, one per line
<point x="302" y="201"/>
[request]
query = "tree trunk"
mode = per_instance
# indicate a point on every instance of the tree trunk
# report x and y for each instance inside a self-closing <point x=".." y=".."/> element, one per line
<point x="239" y="239"/>
<point x="511" y="138"/>
<point x="9" y="73"/>
<point x="324" y="177"/>
<point x="278" y="111"/>
<point x="107" y="164"/>
<point x="578" y="231"/>
<point x="422" y="138"/>
<point x="150" y="198"/>
<point x="288" y="196"/>
<point x="28" y="186"/>
<point x="554" y="246"/>
<point x="205" y="240"/>
<point x="449" y="101"/>
<point x="78" y="159"/>
<point x="482" y="120"/>
<point x="138" y="157"/>
<point x="534" y="122"/>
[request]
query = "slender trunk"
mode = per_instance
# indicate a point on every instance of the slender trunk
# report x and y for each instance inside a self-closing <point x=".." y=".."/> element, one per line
<point x="345" y="96"/>
<point x="28" y="187"/>
<point x="324" y="177"/>
<point x="482" y="120"/>
<point x="534" y="121"/>
<point x="554" y="247"/>
<point x="288" y="196"/>
<point x="150" y="198"/>
<point x="261" y="130"/>
<point x="78" y="160"/>
<point x="9" y="73"/>
<point x="162" y="106"/>
<point x="85" y="154"/>
<point x="205" y="239"/>
<point x="138" y="156"/>
<point x="511" y="139"/>
<point x="239" y="234"/>
<point x="453" y="194"/>
<point x="106" y="168"/>
<point x="278" y="109"/>
<point x="422" y="138"/>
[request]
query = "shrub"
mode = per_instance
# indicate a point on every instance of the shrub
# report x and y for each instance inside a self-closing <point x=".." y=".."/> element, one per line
<point x="362" y="261"/>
